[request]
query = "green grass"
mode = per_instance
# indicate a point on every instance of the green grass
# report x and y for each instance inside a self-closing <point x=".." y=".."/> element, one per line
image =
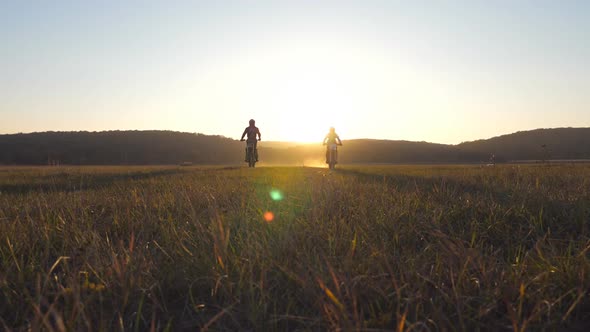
<point x="417" y="248"/>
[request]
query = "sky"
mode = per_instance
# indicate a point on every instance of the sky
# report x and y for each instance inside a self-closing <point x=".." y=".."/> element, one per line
<point x="436" y="71"/>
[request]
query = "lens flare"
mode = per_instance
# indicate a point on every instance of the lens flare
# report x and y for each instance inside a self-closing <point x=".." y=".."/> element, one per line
<point x="276" y="195"/>
<point x="268" y="216"/>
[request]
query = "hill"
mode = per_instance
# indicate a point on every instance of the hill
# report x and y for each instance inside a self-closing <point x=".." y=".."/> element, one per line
<point x="539" y="144"/>
<point x="169" y="147"/>
<point x="117" y="147"/>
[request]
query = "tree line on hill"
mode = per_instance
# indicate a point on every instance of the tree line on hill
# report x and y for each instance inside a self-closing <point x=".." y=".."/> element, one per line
<point x="168" y="147"/>
<point x="116" y="148"/>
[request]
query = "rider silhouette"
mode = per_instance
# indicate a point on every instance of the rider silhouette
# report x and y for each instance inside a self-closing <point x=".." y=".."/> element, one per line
<point x="331" y="139"/>
<point x="252" y="131"/>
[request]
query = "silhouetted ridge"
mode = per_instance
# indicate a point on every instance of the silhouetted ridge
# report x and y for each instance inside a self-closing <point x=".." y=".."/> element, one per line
<point x="538" y="144"/>
<point x="116" y="147"/>
<point x="169" y="147"/>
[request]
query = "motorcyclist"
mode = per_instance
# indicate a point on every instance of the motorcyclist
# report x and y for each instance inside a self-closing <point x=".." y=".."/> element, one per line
<point x="330" y="140"/>
<point x="252" y="131"/>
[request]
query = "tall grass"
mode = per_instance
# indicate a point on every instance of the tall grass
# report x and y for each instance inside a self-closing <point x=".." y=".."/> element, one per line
<point x="408" y="248"/>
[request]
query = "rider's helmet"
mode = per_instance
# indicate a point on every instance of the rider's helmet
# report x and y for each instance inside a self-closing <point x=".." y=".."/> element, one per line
<point x="252" y="122"/>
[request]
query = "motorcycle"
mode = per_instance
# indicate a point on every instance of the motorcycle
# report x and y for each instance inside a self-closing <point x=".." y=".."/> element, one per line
<point x="251" y="153"/>
<point x="332" y="155"/>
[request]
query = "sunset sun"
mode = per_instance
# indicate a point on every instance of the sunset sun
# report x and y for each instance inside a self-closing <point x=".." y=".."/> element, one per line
<point x="311" y="105"/>
<point x="307" y="92"/>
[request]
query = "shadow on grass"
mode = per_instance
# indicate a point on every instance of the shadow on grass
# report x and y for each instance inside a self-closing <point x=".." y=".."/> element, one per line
<point x="530" y="207"/>
<point x="70" y="182"/>
<point x="431" y="184"/>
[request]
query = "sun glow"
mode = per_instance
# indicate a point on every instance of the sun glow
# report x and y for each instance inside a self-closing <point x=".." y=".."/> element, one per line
<point x="310" y="105"/>
<point x="296" y="92"/>
<point x="310" y="91"/>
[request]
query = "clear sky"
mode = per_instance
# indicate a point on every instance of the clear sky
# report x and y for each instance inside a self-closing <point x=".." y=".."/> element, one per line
<point x="438" y="71"/>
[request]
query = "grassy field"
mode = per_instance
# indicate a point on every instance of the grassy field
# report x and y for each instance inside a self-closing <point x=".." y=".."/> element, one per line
<point x="407" y="248"/>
